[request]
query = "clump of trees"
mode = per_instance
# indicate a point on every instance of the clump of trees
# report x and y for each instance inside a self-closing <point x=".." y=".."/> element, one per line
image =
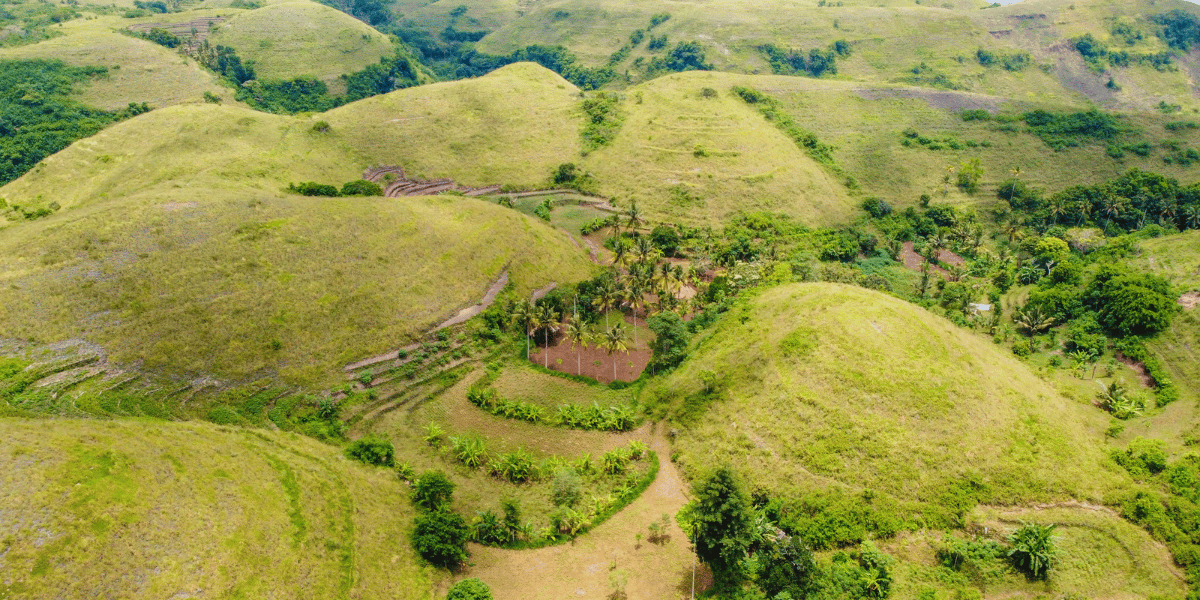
<point x="358" y="187"/>
<point x="815" y="63"/>
<point x="440" y="535"/>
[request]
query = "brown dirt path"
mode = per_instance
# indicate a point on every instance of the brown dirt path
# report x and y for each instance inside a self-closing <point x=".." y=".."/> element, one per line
<point x="586" y="567"/>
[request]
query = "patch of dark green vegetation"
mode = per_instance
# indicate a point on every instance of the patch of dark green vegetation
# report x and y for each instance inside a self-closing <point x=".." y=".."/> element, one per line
<point x="308" y="94"/>
<point x="1010" y="61"/>
<point x="1128" y="203"/>
<point x="373" y="451"/>
<point x="1069" y="130"/>
<point x="814" y="63"/>
<point x="1178" y="28"/>
<point x="454" y="56"/>
<point x="770" y="108"/>
<point x="301" y="94"/>
<point x="39" y="115"/>
<point x="1167" y="504"/>
<point x="358" y="187"/>
<point x="26" y="23"/>
<point x="636" y="38"/>
<point x="1094" y="52"/>
<point x="603" y="120"/>
<point x="594" y="418"/>
<point x="913" y="138"/>
<point x="762" y="547"/>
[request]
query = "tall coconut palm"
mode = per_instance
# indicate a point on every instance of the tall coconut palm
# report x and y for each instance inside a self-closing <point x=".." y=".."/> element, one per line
<point x="606" y="296"/>
<point x="549" y="322"/>
<point x="522" y="315"/>
<point x="644" y="250"/>
<point x="1016" y="173"/>
<point x="614" y="341"/>
<point x="1191" y="217"/>
<point x="634" y="298"/>
<point x="621" y="251"/>
<point x="577" y="332"/>
<point x="537" y="319"/>
<point x="634" y="215"/>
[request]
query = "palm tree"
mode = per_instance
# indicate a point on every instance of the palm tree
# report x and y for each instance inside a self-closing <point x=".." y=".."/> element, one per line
<point x="549" y="323"/>
<point x="577" y="333"/>
<point x="1033" y="319"/>
<point x="537" y="318"/>
<point x="522" y="314"/>
<point x="606" y="296"/>
<point x="635" y="298"/>
<point x="1057" y="208"/>
<point x="1013" y="228"/>
<point x="635" y="216"/>
<point x="1084" y="208"/>
<point x="1191" y="217"/>
<point x="645" y="251"/>
<point x="946" y="181"/>
<point x="1016" y="173"/>
<point x="614" y="222"/>
<point x="620" y="251"/>
<point x="614" y="341"/>
<point x="1113" y="206"/>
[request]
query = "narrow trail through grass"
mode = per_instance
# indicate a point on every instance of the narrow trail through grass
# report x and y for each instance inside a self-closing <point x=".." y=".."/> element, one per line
<point x="586" y="567"/>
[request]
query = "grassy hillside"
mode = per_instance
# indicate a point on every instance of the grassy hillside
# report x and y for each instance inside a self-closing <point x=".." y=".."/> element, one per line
<point x="689" y="157"/>
<point x="176" y="246"/>
<point x="867" y="125"/>
<point x="145" y="509"/>
<point x="820" y="384"/>
<point x="889" y="39"/>
<point x="139" y="71"/>
<point x="513" y="126"/>
<point x="294" y="39"/>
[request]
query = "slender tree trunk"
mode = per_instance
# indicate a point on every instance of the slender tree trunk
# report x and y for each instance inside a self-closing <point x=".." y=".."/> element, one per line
<point x="526" y="345"/>
<point x="614" y="369"/>
<point x="579" y="363"/>
<point x="546" y="350"/>
<point x="635" y="326"/>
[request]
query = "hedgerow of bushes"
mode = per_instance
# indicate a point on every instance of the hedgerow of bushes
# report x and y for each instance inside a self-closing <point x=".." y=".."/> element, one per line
<point x="594" y="418"/>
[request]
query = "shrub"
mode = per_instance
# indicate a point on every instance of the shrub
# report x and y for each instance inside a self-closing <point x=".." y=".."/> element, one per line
<point x="361" y="187"/>
<point x="877" y="207"/>
<point x="565" y="490"/>
<point x="433" y="491"/>
<point x="469" y="589"/>
<point x="373" y="451"/>
<point x="440" y="537"/>
<point x="321" y="127"/>
<point x="312" y="188"/>
<point x="1033" y="549"/>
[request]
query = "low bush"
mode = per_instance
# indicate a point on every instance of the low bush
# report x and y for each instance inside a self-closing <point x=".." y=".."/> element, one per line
<point x="373" y="451"/>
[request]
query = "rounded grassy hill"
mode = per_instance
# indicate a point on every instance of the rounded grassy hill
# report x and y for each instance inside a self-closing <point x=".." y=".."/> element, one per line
<point x="294" y="39"/>
<point x="140" y="508"/>
<point x="820" y="385"/>
<point x="175" y="244"/>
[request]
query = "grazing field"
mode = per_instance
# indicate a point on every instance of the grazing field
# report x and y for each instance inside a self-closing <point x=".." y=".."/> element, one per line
<point x="148" y="509"/>
<point x="822" y="385"/>
<point x="294" y="39"/>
